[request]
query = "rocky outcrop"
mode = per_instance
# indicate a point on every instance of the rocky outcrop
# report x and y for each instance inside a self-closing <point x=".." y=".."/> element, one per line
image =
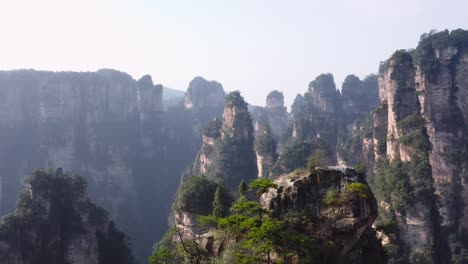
<point x="328" y="206"/>
<point x="416" y="139"/>
<point x="149" y="98"/>
<point x="358" y="99"/>
<point x="345" y="221"/>
<point x="54" y="119"/>
<point x="397" y="88"/>
<point x="278" y="118"/>
<point x="104" y="125"/>
<point x="265" y="149"/>
<point x="227" y="153"/>
<point x="396" y="146"/>
<point x="203" y="94"/>
<point x="315" y="114"/>
<point x="56" y="223"/>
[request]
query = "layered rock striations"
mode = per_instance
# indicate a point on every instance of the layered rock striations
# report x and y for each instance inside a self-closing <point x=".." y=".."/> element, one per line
<point x="99" y="124"/>
<point x="414" y="146"/>
<point x="64" y="119"/>
<point x="109" y="128"/>
<point x="54" y="222"/>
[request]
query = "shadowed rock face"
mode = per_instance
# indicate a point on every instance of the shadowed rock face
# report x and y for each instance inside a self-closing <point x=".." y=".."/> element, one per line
<point x="64" y="120"/>
<point x="227" y="153"/>
<point x="203" y="94"/>
<point x="316" y="113"/>
<point x="359" y="98"/>
<point x="56" y="223"/>
<point x="420" y="125"/>
<point x="104" y="125"/>
<point x="109" y="128"/>
<point x="348" y="223"/>
<point x="305" y="192"/>
<point x="278" y="118"/>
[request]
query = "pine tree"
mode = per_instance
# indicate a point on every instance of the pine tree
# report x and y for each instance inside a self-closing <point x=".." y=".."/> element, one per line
<point x="242" y="188"/>
<point x="218" y="204"/>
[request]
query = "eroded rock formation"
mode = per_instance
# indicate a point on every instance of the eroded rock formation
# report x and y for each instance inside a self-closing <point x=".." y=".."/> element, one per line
<point x="227" y="153"/>
<point x="56" y="223"/>
<point x="416" y="141"/>
<point x="203" y="94"/>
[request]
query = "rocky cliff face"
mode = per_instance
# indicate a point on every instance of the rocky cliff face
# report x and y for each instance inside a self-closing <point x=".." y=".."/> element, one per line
<point x="203" y="94"/>
<point x="416" y="140"/>
<point x="55" y="222"/>
<point x="315" y="114"/>
<point x="109" y="128"/>
<point x="277" y="116"/>
<point x="273" y="126"/>
<point x="227" y="153"/>
<point x="265" y="149"/>
<point x="58" y="119"/>
<point x="345" y="221"/>
<point x="329" y="205"/>
<point x="358" y="99"/>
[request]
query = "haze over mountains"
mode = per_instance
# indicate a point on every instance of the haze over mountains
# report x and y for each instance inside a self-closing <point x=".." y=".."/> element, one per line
<point x="146" y="157"/>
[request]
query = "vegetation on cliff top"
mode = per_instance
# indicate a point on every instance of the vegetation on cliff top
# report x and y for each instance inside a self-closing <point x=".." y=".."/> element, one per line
<point x="55" y="210"/>
<point x="196" y="195"/>
<point x="425" y="53"/>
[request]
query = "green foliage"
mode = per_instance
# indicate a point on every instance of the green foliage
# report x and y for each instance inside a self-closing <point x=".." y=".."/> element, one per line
<point x="51" y="209"/>
<point x="425" y="56"/>
<point x="403" y="67"/>
<point x="352" y="191"/>
<point x="402" y="184"/>
<point x="414" y="133"/>
<point x="262" y="185"/>
<point x="295" y="154"/>
<point x="358" y="189"/>
<point x="208" y="220"/>
<point x="261" y="241"/>
<point x="233" y="158"/>
<point x="247" y="208"/>
<point x="163" y="255"/>
<point x="264" y="143"/>
<point x="196" y="195"/>
<point x="165" y="250"/>
<point x="242" y="188"/>
<point x="391" y="184"/>
<point x="219" y="205"/>
<point x="234" y="99"/>
<point x="332" y="197"/>
<point x="251" y="233"/>
<point x="316" y="160"/>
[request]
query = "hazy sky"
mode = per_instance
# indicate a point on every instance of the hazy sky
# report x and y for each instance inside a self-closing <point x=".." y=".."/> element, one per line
<point x="253" y="46"/>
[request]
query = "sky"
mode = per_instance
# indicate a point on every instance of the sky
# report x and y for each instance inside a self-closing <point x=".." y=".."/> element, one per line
<point x="254" y="46"/>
